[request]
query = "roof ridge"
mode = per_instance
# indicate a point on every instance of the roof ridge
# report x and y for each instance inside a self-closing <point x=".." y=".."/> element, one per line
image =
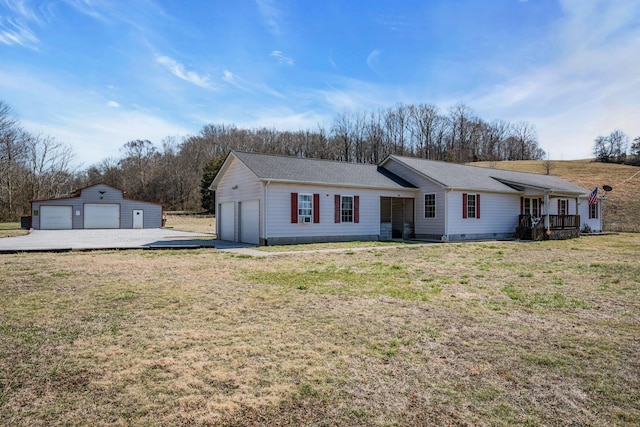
<point x="287" y="156"/>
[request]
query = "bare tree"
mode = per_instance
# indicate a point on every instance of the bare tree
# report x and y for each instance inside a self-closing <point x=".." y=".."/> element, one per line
<point x="611" y="148"/>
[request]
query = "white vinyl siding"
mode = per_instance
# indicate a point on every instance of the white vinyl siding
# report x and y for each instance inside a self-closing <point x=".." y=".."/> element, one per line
<point x="278" y="211"/>
<point x="583" y="210"/>
<point x="238" y="185"/>
<point x="499" y="215"/>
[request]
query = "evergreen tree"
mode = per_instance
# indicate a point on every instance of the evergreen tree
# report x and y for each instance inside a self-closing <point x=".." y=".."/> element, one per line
<point x="211" y="169"/>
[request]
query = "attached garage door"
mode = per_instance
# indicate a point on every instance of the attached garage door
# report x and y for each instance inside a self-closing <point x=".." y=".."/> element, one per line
<point x="227" y="221"/>
<point x="56" y="217"/>
<point x="249" y="222"/>
<point x="98" y="215"/>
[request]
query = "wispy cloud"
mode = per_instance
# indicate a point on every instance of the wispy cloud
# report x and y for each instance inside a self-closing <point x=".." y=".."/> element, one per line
<point x="270" y="14"/>
<point x="353" y="94"/>
<point x="372" y="60"/>
<point x="234" y="80"/>
<point x="88" y="7"/>
<point x="113" y="104"/>
<point x="15" y="24"/>
<point x="281" y="58"/>
<point x="15" y="32"/>
<point x="248" y="86"/>
<point x="178" y="70"/>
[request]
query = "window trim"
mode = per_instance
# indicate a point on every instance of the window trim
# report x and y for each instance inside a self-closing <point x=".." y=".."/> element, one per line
<point x="562" y="202"/>
<point x="531" y="206"/>
<point x="302" y="217"/>
<point x="433" y="206"/>
<point x="465" y="206"/>
<point x="593" y="210"/>
<point x="349" y="212"/>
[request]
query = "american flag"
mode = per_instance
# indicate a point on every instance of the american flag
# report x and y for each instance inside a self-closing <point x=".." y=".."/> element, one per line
<point x="593" y="196"/>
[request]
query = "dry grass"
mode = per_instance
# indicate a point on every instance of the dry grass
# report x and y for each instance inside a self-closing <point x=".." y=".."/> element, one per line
<point x="623" y="203"/>
<point x="11" y="229"/>
<point x="501" y="333"/>
<point x="194" y="223"/>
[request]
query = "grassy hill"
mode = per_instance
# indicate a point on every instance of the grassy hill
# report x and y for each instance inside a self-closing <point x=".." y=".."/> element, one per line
<point x="622" y="206"/>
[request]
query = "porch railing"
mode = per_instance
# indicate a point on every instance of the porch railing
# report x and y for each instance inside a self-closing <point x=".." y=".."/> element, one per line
<point x="533" y="228"/>
<point x="563" y="222"/>
<point x="556" y="222"/>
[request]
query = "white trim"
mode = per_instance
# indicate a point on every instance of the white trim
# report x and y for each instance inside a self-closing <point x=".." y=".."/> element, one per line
<point x="310" y="208"/>
<point x="353" y="209"/>
<point x="435" y="206"/>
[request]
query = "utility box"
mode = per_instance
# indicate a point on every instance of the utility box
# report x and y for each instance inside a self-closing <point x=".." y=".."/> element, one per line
<point x="25" y="222"/>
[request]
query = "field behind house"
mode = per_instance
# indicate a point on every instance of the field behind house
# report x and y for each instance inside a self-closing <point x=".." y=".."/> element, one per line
<point x="622" y="206"/>
<point x="495" y="333"/>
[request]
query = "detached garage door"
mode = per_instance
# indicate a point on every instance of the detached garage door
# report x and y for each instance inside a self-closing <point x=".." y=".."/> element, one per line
<point x="98" y="215"/>
<point x="249" y="222"/>
<point x="227" y="221"/>
<point x="56" y="217"/>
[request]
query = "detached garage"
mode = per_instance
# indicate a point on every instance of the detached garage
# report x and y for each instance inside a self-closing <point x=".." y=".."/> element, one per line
<point x="98" y="206"/>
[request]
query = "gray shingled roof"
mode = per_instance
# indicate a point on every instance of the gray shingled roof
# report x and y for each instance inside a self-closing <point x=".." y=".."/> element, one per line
<point x="312" y="171"/>
<point x="452" y="175"/>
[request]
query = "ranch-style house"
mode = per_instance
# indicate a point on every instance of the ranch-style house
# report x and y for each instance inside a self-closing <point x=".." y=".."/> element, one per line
<point x="270" y="199"/>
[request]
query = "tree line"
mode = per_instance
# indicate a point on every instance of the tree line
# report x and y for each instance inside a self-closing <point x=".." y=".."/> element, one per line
<point x="615" y="148"/>
<point x="178" y="171"/>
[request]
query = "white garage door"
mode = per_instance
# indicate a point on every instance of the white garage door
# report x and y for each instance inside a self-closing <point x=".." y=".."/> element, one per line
<point x="249" y="222"/>
<point x="56" y="217"/>
<point x="98" y="215"/>
<point x="227" y="221"/>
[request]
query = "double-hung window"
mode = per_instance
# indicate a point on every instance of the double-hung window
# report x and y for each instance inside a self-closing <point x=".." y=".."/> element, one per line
<point x="429" y="205"/>
<point x="305" y="208"/>
<point x="470" y="205"/>
<point x="531" y="207"/>
<point x="593" y="210"/>
<point x="346" y="209"/>
<point x="563" y="207"/>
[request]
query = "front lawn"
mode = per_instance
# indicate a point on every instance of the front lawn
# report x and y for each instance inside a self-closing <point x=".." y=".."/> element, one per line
<point x="492" y="333"/>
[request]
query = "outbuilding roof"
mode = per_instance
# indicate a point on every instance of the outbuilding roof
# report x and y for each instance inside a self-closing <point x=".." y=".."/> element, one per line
<point x="313" y="171"/>
<point x="464" y="177"/>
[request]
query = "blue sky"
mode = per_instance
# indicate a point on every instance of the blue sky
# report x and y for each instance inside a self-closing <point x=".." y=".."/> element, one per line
<point x="95" y="74"/>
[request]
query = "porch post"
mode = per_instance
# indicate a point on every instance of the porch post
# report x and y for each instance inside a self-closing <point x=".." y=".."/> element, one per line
<point x="546" y="211"/>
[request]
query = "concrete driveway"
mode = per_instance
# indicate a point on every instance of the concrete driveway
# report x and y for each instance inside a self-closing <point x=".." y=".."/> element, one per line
<point x="68" y="240"/>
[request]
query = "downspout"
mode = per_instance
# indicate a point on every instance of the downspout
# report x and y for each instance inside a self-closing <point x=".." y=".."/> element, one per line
<point x="446" y="214"/>
<point x="266" y="204"/>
